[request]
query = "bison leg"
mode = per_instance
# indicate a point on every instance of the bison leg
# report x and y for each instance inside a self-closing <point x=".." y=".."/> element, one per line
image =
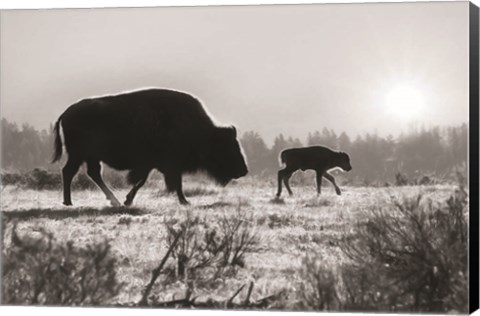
<point x="68" y="172"/>
<point x="330" y="178"/>
<point x="93" y="171"/>
<point x="181" y="196"/>
<point x="173" y="180"/>
<point x="133" y="192"/>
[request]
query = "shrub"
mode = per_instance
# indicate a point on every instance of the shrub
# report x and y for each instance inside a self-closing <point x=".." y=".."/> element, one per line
<point x="10" y="178"/>
<point x="40" y="271"/>
<point x="426" y="180"/>
<point x="356" y="290"/>
<point x="214" y="246"/>
<point x="413" y="256"/>
<point x="235" y="240"/>
<point x="40" y="179"/>
<point x="37" y="179"/>
<point x="401" y="179"/>
<point x="318" y="286"/>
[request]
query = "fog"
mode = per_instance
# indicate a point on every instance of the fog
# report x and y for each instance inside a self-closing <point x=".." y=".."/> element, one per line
<point x="272" y="69"/>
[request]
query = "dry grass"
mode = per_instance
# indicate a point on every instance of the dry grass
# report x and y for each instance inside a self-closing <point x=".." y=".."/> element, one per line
<point x="287" y="230"/>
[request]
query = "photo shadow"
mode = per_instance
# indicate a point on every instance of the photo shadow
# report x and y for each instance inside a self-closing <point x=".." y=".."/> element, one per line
<point x="214" y="205"/>
<point x="62" y="213"/>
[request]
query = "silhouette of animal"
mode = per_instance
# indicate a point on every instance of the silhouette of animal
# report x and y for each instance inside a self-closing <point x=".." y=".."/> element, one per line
<point x="143" y="130"/>
<point x="318" y="158"/>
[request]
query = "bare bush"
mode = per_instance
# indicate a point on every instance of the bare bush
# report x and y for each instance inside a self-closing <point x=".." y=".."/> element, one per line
<point x="38" y="179"/>
<point x="8" y="178"/>
<point x="409" y="257"/>
<point x="39" y="271"/>
<point x="414" y="256"/>
<point x="357" y="292"/>
<point x="210" y="246"/>
<point x="235" y="240"/>
<point x="318" y="288"/>
<point x="401" y="179"/>
<point x="188" y="301"/>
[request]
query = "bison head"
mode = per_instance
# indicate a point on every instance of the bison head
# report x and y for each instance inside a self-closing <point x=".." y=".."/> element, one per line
<point x="344" y="162"/>
<point x="225" y="160"/>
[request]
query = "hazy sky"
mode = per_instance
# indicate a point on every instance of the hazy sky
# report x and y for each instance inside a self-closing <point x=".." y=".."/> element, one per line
<point x="273" y="69"/>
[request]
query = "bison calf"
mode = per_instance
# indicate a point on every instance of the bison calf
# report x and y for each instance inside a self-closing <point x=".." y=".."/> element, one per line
<point x="143" y="130"/>
<point x="318" y="158"/>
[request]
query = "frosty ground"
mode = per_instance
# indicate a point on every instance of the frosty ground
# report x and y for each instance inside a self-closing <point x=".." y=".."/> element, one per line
<point x="287" y="230"/>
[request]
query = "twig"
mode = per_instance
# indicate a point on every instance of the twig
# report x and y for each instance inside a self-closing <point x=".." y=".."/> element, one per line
<point x="264" y="301"/>
<point x="229" y="302"/>
<point x="156" y="272"/>
<point x="190" y="302"/>
<point x="184" y="302"/>
<point x="247" y="299"/>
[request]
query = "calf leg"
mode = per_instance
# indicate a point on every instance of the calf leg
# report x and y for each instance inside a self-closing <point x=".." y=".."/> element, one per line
<point x="280" y="178"/>
<point x="284" y="175"/>
<point x="319" y="182"/>
<point x="173" y="180"/>
<point x="287" y="185"/>
<point x="93" y="171"/>
<point x="68" y="172"/>
<point x="136" y="187"/>
<point x="330" y="178"/>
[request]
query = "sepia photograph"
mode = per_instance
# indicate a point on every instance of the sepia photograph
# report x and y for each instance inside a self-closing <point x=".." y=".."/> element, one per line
<point x="300" y="157"/>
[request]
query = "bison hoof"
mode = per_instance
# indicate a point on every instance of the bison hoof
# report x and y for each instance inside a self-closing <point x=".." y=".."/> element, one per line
<point x="184" y="202"/>
<point x="338" y="192"/>
<point x="127" y="202"/>
<point x="67" y="203"/>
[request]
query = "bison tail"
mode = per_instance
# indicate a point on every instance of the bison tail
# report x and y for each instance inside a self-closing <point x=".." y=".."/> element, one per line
<point x="58" y="142"/>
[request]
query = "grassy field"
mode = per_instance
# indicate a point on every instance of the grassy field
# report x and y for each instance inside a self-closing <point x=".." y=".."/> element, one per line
<point x="287" y="230"/>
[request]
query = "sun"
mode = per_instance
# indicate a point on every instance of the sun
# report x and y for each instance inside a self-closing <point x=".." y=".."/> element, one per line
<point x="404" y="102"/>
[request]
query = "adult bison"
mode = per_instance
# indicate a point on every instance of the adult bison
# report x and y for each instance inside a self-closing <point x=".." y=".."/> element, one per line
<point x="318" y="158"/>
<point x="143" y="130"/>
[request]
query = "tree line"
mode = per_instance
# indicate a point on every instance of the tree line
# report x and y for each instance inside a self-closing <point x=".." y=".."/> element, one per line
<point x="435" y="151"/>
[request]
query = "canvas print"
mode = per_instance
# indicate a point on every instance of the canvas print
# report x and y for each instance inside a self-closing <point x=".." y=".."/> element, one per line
<point x="280" y="157"/>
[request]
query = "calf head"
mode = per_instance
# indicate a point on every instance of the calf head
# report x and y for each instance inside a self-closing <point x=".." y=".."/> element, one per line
<point x="344" y="161"/>
<point x="226" y="160"/>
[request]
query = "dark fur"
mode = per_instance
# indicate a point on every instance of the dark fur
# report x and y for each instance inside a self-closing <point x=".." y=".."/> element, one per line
<point x="143" y="130"/>
<point x="318" y="158"/>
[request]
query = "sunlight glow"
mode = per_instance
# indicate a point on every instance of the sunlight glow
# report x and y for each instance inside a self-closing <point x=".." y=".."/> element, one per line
<point x="405" y="102"/>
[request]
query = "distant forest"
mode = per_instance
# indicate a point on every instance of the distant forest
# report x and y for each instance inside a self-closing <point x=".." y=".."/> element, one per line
<point x="434" y="152"/>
